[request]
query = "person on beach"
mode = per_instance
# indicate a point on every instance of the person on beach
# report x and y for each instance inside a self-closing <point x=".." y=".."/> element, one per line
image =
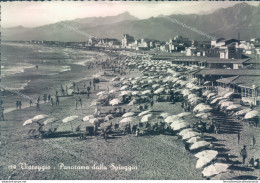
<point x="57" y="92"/>
<point x="31" y="102"/>
<point x="253" y="141"/>
<point x="17" y="104"/>
<point x="238" y="137"/>
<point x="20" y="104"/>
<point x="66" y="90"/>
<point x="37" y="106"/>
<point x="57" y="100"/>
<point x="45" y="98"/>
<point x="49" y="97"/>
<point x="74" y="85"/>
<point x="51" y="101"/>
<point x="243" y="153"/>
<point x="152" y="102"/>
<point x="211" y="146"/>
<point x="78" y="89"/>
<point x="90" y="83"/>
<point x="80" y="102"/>
<point x="2" y="114"/>
<point x="76" y="103"/>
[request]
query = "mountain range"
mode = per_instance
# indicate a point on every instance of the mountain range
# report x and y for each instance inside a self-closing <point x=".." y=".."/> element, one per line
<point x="225" y="22"/>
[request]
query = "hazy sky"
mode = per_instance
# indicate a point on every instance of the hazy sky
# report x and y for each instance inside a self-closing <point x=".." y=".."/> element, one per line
<point x="33" y="14"/>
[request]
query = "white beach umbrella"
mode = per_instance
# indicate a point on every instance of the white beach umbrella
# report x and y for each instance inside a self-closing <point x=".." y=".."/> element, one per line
<point x="102" y="93"/>
<point x="203" y="161"/>
<point x="215" y="100"/>
<point x="128" y="114"/>
<point x="180" y="126"/>
<point x="215" y="169"/>
<point x="190" y="85"/>
<point x="233" y="107"/>
<point x="93" y="120"/>
<point x="186" y="92"/>
<point x="39" y="117"/>
<point x="222" y="101"/>
<point x="225" y="104"/>
<point x="125" y="93"/>
<point x="228" y="94"/>
<point x="146" y="118"/>
<point x="70" y="119"/>
<point x="87" y="118"/>
<point x="204" y="115"/>
<point x="190" y="134"/>
<point x="143" y="113"/>
<point x="193" y="140"/>
<point x="124" y="87"/>
<point x="158" y="91"/>
<point x="251" y="114"/>
<point x="184" y="114"/>
<point x="242" y="112"/>
<point x="127" y="120"/>
<point x="206" y="93"/>
<point x="206" y="153"/>
<point x="171" y="119"/>
<point x="183" y="132"/>
<point x="115" y="79"/>
<point x="199" y="144"/>
<point x="27" y="122"/>
<point x="202" y="108"/>
<point x="155" y="86"/>
<point x="165" y="115"/>
<point x="192" y="95"/>
<point x="50" y="120"/>
<point x="146" y="92"/>
<point x="211" y="95"/>
<point x="115" y="102"/>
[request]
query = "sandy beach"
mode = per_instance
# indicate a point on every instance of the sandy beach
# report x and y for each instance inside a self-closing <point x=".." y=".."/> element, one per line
<point x="160" y="156"/>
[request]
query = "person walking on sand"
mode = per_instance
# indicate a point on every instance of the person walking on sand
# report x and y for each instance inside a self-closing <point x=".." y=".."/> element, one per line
<point x="243" y="153"/>
<point x="20" y="104"/>
<point x="152" y="102"/>
<point x="89" y="83"/>
<point x="57" y="100"/>
<point x="66" y="90"/>
<point x="31" y="102"/>
<point x="37" y="106"/>
<point x="17" y="105"/>
<point x="74" y="85"/>
<point x="2" y="115"/>
<point x="49" y="97"/>
<point x="80" y="101"/>
<point x="45" y="98"/>
<point x="238" y="137"/>
<point x="51" y="101"/>
<point x="253" y="141"/>
<point x="76" y="103"/>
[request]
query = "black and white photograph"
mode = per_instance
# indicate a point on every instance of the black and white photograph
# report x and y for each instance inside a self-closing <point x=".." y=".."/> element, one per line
<point x="130" y="90"/>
